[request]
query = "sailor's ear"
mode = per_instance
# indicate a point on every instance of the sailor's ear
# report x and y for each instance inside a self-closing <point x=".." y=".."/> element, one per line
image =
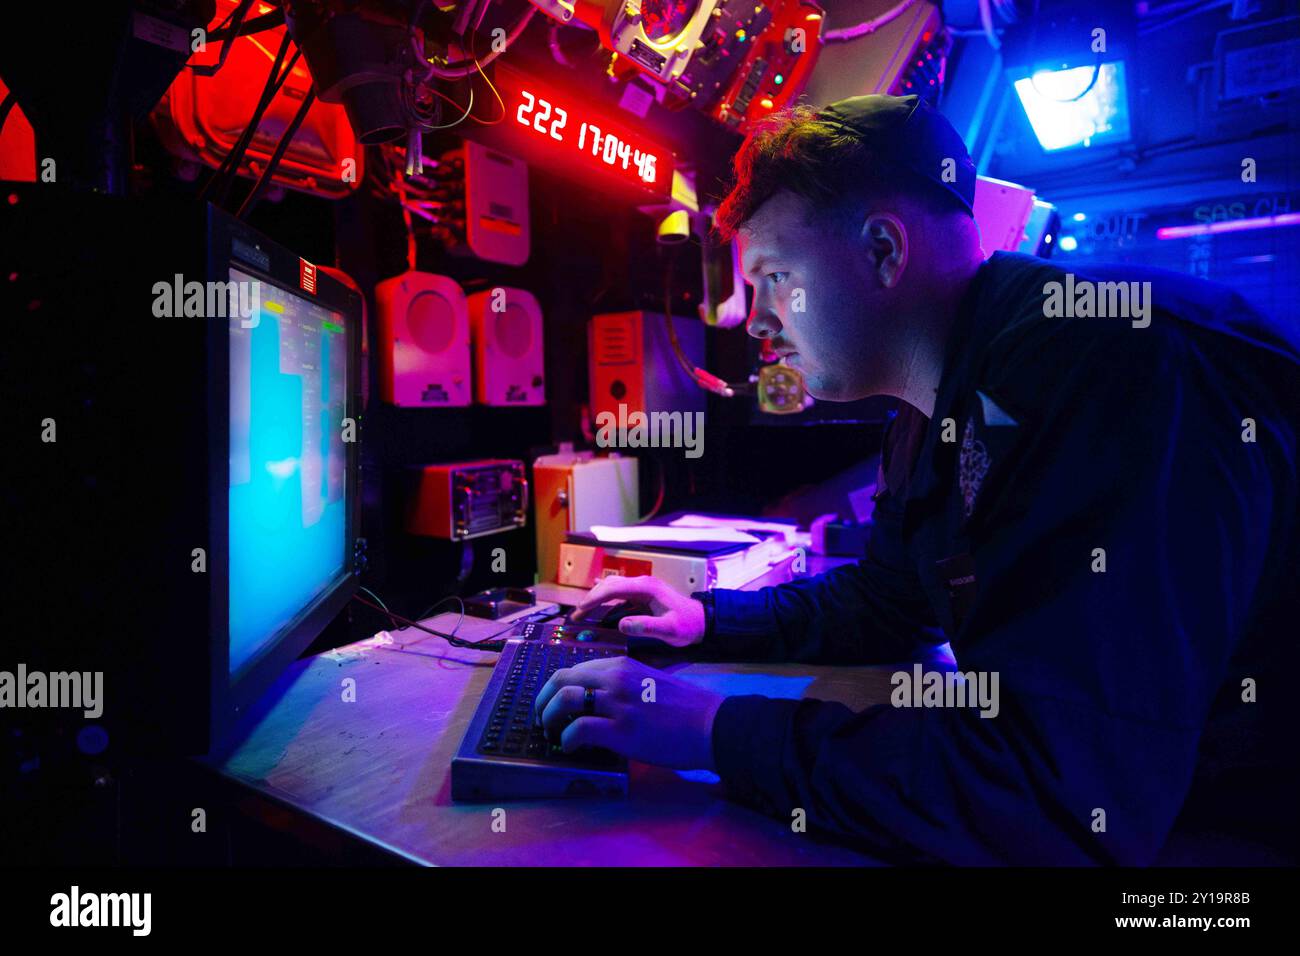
<point x="885" y="240"/>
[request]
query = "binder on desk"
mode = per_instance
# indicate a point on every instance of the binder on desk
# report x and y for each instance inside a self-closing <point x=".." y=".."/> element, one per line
<point x="694" y="564"/>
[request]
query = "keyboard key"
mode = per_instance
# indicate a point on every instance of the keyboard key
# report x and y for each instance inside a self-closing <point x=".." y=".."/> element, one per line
<point x="512" y="728"/>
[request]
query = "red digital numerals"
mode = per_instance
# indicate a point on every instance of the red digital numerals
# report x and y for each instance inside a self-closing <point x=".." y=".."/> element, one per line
<point x="544" y="117"/>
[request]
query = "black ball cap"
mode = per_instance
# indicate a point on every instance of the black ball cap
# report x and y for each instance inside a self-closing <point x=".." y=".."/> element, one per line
<point x="906" y="130"/>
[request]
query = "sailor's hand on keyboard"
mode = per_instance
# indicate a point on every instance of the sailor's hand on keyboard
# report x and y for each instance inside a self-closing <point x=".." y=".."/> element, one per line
<point x="637" y="711"/>
<point x="674" y="618"/>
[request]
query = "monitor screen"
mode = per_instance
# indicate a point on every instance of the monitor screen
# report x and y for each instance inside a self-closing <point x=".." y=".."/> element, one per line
<point x="288" y="497"/>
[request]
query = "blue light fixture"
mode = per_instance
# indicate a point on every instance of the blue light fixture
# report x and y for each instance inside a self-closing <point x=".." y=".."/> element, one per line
<point x="1077" y="106"/>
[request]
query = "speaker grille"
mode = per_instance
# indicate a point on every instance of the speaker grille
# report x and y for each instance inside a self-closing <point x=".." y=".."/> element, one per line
<point x="513" y="330"/>
<point x="431" y="322"/>
<point x="615" y="340"/>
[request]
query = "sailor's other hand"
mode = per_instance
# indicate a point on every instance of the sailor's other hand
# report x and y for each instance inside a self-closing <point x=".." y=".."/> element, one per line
<point x="674" y="619"/>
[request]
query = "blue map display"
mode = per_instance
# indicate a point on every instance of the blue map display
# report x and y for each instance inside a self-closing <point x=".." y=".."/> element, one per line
<point x="288" y="522"/>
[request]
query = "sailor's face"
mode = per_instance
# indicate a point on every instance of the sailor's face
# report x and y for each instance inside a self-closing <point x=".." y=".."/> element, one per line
<point x="810" y="300"/>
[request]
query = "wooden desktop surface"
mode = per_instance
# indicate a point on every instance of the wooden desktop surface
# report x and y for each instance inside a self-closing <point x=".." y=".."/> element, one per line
<point x="379" y="766"/>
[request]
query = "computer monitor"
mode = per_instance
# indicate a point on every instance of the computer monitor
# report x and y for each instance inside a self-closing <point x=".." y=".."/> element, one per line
<point x="190" y="528"/>
<point x="285" y="433"/>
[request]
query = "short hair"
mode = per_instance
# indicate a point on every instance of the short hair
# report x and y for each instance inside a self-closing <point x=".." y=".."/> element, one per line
<point x="835" y="171"/>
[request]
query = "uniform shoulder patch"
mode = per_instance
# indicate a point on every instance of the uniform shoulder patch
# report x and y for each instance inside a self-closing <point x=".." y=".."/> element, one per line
<point x="973" y="465"/>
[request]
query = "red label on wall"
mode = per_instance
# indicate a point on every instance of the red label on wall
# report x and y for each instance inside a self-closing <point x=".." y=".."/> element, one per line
<point x="307" y="276"/>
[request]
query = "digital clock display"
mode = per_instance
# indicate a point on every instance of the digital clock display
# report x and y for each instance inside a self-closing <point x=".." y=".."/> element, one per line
<point x="576" y="138"/>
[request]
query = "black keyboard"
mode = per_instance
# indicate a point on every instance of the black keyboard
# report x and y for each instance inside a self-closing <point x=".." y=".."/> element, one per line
<point x="512" y="729"/>
<point x="505" y="754"/>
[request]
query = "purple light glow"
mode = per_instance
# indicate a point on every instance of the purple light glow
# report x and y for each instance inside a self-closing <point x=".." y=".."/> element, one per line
<point x="1228" y="225"/>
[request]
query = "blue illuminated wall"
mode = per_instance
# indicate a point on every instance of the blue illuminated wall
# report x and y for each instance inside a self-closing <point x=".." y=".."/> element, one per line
<point x="1248" y="240"/>
<point x="1208" y="181"/>
<point x="288" y="521"/>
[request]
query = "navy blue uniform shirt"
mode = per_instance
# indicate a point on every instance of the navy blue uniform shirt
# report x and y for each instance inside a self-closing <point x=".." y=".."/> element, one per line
<point x="1126" y="714"/>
